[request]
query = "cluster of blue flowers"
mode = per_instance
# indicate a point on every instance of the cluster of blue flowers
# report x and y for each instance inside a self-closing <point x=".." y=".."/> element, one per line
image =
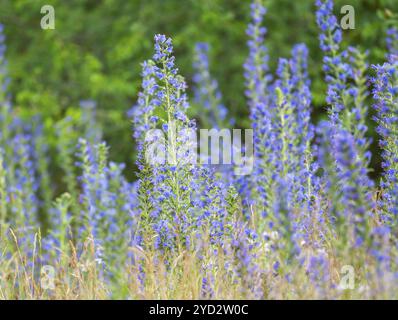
<point x="385" y="93"/>
<point x="308" y="205"/>
<point x="177" y="197"/>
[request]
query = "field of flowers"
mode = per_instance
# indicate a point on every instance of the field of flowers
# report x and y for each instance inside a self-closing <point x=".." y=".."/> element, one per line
<point x="306" y="223"/>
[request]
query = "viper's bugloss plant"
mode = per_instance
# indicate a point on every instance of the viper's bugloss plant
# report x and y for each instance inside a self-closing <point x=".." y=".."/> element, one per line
<point x="351" y="205"/>
<point x="4" y="98"/>
<point x="345" y="75"/>
<point x="257" y="80"/>
<point x="345" y="72"/>
<point x="385" y="93"/>
<point x="184" y="228"/>
<point x="4" y="130"/>
<point x="42" y="166"/>
<point x="6" y="121"/>
<point x="108" y="209"/>
<point x="330" y="39"/>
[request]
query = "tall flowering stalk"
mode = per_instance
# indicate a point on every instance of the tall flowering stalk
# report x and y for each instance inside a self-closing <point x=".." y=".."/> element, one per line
<point x="123" y="225"/>
<point x="56" y="244"/>
<point x="42" y="163"/>
<point x="292" y="121"/>
<point x="171" y="185"/>
<point x="207" y="94"/>
<point x="356" y="118"/>
<point x="4" y="105"/>
<point x="351" y="205"/>
<point x="346" y="79"/>
<point x="142" y="113"/>
<point x="94" y="188"/>
<point x="285" y="182"/>
<point x="257" y="79"/>
<point x="385" y="93"/>
<point x="3" y="194"/>
<point x="296" y="225"/>
<point x="209" y="202"/>
<point x="356" y="189"/>
<point x="144" y="120"/>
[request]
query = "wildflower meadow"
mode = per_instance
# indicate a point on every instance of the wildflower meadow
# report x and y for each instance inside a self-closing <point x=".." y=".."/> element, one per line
<point x="286" y="208"/>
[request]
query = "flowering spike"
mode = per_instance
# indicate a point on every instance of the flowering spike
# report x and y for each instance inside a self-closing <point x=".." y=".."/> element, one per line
<point x="385" y="93"/>
<point x="347" y="185"/>
<point x="392" y="43"/>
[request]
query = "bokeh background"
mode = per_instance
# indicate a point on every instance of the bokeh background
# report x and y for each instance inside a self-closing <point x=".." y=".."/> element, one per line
<point x="97" y="46"/>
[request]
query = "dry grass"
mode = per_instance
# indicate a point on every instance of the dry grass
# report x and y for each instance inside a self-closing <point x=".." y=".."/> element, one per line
<point x="179" y="276"/>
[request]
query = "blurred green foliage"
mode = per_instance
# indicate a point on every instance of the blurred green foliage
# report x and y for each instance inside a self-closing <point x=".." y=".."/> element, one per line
<point x="97" y="46"/>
